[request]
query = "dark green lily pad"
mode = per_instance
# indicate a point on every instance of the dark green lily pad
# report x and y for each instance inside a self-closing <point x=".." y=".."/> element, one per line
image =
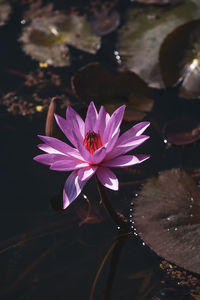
<point x="96" y="83"/>
<point x="167" y="218"/>
<point x="46" y="38"/>
<point x="142" y="35"/>
<point x="180" y="59"/>
<point x="5" y="11"/>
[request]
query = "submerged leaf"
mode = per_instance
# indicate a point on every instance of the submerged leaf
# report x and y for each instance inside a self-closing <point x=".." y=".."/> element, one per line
<point x="97" y="83"/>
<point x="46" y="38"/>
<point x="180" y="59"/>
<point x="167" y="218"/>
<point x="142" y="35"/>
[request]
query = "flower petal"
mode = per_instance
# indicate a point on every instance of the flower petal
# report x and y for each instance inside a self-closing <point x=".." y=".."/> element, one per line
<point x="73" y="187"/>
<point x="125" y="161"/>
<point x="99" y="155"/>
<point x="60" y="146"/>
<point x="101" y="121"/>
<point x="48" y="159"/>
<point x="91" y="118"/>
<point x="67" y="164"/>
<point x="107" y="178"/>
<point x="113" y="124"/>
<point x="46" y="148"/>
<point x="112" y="142"/>
<point x="82" y="150"/>
<point x="136" y="130"/>
<point x="67" y="127"/>
<point x="128" y="145"/>
<point x="86" y="173"/>
<point x="73" y="117"/>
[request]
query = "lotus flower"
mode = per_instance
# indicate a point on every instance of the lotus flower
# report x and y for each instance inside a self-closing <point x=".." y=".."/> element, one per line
<point x="97" y="147"/>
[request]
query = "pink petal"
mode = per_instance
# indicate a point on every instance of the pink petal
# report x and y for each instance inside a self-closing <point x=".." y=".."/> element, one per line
<point x="72" y="116"/>
<point x="132" y="143"/>
<point x="48" y="159"/>
<point x="107" y="178"/>
<point x="67" y="127"/>
<point x="82" y="150"/>
<point x="48" y="149"/>
<point x="99" y="155"/>
<point x="91" y="118"/>
<point x="125" y="161"/>
<point x="101" y="121"/>
<point x="73" y="187"/>
<point x="60" y="146"/>
<point x="112" y="142"/>
<point x="136" y="130"/>
<point x="114" y="124"/>
<point x="86" y="173"/>
<point x="68" y="164"/>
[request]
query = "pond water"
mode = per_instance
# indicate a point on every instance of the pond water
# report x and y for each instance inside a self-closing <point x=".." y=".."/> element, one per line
<point x="47" y="253"/>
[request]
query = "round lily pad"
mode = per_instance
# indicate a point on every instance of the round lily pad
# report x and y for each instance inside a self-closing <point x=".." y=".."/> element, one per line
<point x="46" y="38"/>
<point x="180" y="59"/>
<point x="143" y="33"/>
<point x="167" y="218"/>
<point x="182" y="131"/>
<point x="96" y="83"/>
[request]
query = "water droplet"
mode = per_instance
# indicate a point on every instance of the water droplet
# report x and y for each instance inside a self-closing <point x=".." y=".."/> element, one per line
<point x="168" y="229"/>
<point x="143" y="244"/>
<point x="191" y="215"/>
<point x="132" y="226"/>
<point x="118" y="227"/>
<point x="176" y="229"/>
<point x="130" y="216"/>
<point x="192" y="199"/>
<point x="116" y="52"/>
<point x="131" y="209"/>
<point x="165" y="141"/>
<point x="136" y="195"/>
<point x="132" y="203"/>
<point x="190" y="205"/>
<point x="23" y="22"/>
<point x="135" y="233"/>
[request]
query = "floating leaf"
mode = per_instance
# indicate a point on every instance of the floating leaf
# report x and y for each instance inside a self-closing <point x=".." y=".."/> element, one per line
<point x="5" y="10"/>
<point x="46" y="38"/>
<point x="180" y="59"/>
<point x="94" y="82"/>
<point x="142" y="35"/>
<point x="183" y="131"/>
<point x="167" y="218"/>
<point x="104" y="21"/>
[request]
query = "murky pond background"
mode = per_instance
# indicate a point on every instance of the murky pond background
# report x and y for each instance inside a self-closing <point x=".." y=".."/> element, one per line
<point x="145" y="55"/>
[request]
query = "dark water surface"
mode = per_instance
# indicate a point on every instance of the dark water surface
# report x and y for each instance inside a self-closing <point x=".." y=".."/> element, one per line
<point x="49" y="255"/>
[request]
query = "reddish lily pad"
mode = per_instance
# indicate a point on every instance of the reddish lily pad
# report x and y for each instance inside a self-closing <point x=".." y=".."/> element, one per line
<point x="180" y="59"/>
<point x="46" y="38"/>
<point x="182" y="131"/>
<point x="94" y="82"/>
<point x="143" y="33"/>
<point x="160" y="2"/>
<point x="166" y="217"/>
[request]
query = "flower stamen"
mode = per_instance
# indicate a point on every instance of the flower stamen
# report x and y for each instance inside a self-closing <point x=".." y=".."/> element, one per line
<point x="92" y="141"/>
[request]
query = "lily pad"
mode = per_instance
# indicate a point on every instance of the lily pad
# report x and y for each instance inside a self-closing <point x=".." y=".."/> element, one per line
<point x="46" y="38"/>
<point x="5" y="11"/>
<point x="94" y="82"/>
<point x="182" y="65"/>
<point x="104" y="21"/>
<point x="167" y="218"/>
<point x="142" y="35"/>
<point x="183" y="131"/>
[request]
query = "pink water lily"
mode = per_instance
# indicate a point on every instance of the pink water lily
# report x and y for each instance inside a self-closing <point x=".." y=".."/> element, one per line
<point x="97" y="147"/>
